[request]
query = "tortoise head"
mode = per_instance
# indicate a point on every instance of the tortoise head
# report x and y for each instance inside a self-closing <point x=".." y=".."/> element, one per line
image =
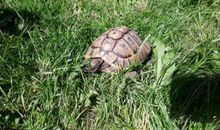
<point x="92" y="65"/>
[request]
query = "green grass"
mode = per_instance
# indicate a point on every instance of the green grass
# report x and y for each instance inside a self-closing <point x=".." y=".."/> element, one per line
<point x="42" y="44"/>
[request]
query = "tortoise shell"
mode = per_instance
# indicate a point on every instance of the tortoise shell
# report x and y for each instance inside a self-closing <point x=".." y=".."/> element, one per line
<point x="116" y="49"/>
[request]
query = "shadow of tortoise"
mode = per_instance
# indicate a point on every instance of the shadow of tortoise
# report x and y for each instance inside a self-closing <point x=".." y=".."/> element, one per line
<point x="196" y="96"/>
<point x="15" y="22"/>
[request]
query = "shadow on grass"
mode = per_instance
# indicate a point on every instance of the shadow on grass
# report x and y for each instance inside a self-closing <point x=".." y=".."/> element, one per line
<point x="196" y="96"/>
<point x="197" y="2"/>
<point x="11" y="118"/>
<point x="16" y="63"/>
<point x="15" y="22"/>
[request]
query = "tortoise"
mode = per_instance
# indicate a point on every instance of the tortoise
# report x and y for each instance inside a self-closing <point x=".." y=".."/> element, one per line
<point x="115" y="50"/>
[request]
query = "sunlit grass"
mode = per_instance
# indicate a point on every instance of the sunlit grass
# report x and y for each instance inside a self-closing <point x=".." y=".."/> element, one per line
<point x="41" y="51"/>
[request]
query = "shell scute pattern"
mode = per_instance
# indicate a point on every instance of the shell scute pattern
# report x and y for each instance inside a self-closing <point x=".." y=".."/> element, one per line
<point x="118" y="47"/>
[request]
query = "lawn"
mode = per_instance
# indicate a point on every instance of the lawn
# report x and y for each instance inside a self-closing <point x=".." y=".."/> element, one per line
<point x="42" y="86"/>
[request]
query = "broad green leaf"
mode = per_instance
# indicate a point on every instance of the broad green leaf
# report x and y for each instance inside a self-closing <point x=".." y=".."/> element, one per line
<point x="164" y="66"/>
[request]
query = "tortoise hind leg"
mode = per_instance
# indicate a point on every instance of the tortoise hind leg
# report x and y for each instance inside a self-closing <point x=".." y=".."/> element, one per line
<point x="92" y="65"/>
<point x="142" y="55"/>
<point x="144" y="52"/>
